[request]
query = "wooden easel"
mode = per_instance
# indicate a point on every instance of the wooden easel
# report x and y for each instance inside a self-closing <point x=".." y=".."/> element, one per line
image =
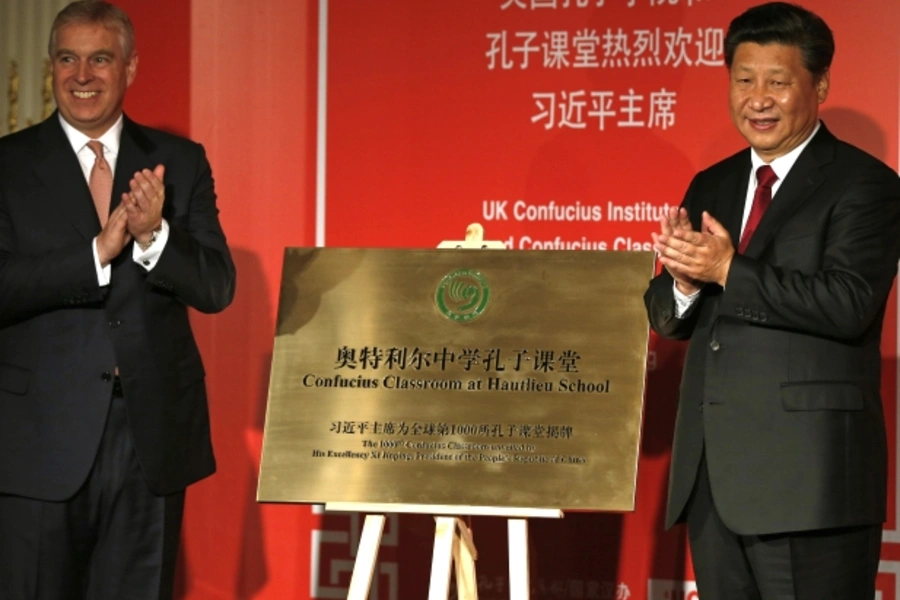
<point x="453" y="543"/>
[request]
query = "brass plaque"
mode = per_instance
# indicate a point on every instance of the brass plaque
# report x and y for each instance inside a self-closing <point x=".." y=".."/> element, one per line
<point x="462" y="377"/>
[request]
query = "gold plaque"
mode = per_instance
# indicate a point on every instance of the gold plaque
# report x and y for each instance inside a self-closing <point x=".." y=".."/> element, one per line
<point x="457" y="377"/>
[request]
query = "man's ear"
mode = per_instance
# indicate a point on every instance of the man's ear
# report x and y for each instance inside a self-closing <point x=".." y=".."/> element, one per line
<point x="131" y="68"/>
<point x="822" y="86"/>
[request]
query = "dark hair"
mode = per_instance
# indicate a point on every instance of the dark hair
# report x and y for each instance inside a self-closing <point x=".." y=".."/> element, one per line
<point x="787" y="24"/>
<point x="95" y="11"/>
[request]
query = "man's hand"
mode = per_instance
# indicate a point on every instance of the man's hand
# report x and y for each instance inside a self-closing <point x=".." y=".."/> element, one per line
<point x="697" y="256"/>
<point x="114" y="236"/>
<point x="144" y="203"/>
<point x="676" y="220"/>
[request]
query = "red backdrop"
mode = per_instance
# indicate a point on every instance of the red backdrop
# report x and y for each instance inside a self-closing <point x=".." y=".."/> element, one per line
<point x="436" y="115"/>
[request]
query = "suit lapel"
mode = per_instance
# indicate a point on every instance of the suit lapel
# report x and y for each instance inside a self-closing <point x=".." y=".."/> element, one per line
<point x="60" y="172"/>
<point x="134" y="155"/>
<point x="804" y="178"/>
<point x="729" y="208"/>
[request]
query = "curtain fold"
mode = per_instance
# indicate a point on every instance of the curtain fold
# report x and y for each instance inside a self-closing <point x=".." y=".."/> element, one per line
<point x="25" y="95"/>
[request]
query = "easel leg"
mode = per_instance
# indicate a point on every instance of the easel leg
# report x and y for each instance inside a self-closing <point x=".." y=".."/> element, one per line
<point x="464" y="554"/>
<point x="518" y="559"/>
<point x="364" y="567"/>
<point x="453" y="543"/>
<point x="441" y="558"/>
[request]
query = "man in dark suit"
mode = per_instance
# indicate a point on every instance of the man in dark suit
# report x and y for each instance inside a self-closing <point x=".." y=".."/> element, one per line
<point x="103" y="410"/>
<point x="779" y="462"/>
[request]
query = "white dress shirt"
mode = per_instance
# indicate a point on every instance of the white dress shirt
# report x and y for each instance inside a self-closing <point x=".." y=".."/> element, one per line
<point x="110" y="140"/>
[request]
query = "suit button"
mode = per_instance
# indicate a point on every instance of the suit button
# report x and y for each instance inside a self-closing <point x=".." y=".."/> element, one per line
<point x="700" y="407"/>
<point x="739" y="311"/>
<point x="714" y="346"/>
<point x="106" y="376"/>
<point x="763" y="317"/>
<point x="115" y="323"/>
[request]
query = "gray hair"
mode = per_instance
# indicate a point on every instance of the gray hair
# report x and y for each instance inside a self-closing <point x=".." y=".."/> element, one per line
<point x="99" y="12"/>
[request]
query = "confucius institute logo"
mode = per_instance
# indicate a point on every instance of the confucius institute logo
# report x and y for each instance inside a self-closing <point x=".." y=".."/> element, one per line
<point x="462" y="295"/>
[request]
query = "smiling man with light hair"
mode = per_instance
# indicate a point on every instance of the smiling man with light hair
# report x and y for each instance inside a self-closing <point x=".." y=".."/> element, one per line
<point x="109" y="232"/>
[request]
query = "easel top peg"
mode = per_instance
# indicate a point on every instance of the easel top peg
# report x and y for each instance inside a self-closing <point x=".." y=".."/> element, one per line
<point x="474" y="239"/>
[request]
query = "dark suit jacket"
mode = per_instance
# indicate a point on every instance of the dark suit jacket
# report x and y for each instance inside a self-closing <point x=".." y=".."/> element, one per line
<point x="62" y="335"/>
<point x="782" y="374"/>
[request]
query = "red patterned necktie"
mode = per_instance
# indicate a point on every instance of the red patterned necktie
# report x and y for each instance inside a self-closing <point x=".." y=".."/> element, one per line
<point x="100" y="182"/>
<point x="765" y="178"/>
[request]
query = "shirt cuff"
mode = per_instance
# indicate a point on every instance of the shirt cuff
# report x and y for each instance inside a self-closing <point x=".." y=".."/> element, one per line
<point x="682" y="301"/>
<point x="104" y="274"/>
<point x="149" y="257"/>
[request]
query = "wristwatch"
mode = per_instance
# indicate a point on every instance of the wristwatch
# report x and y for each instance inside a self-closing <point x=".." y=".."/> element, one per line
<point x="153" y="237"/>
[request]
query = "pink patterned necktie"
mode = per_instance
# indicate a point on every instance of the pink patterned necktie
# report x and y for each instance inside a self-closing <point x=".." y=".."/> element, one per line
<point x="765" y="178"/>
<point x="100" y="182"/>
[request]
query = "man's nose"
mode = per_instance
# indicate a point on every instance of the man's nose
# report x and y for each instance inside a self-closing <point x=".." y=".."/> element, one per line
<point x="760" y="98"/>
<point x="83" y="74"/>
